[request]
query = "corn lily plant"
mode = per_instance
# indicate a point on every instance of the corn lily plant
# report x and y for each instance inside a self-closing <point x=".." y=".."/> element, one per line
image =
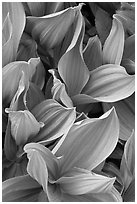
<point x="68" y="102"/>
<point x="66" y="175"/>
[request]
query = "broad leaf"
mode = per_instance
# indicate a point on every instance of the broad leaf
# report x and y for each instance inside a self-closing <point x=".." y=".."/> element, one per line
<point x="127" y="167"/>
<point x="72" y="67"/>
<point x="19" y="189"/>
<point x="18" y="20"/>
<point x="50" y="30"/>
<point x="84" y="144"/>
<point x="109" y="83"/>
<point x="85" y="183"/>
<point x="114" y="44"/>
<point x="57" y="119"/>
<point x="11" y="75"/>
<point x="126" y="113"/>
<point x="37" y="153"/>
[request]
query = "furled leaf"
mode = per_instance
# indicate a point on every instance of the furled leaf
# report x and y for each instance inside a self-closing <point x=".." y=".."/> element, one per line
<point x="56" y="118"/>
<point x="84" y="144"/>
<point x="59" y="91"/>
<point x="50" y="30"/>
<point x="114" y="44"/>
<point x="11" y="75"/>
<point x="109" y="83"/>
<point x="37" y="153"/>
<point x="23" y="126"/>
<point x="126" y="113"/>
<point x="72" y="67"/>
<point x="93" y="53"/>
<point x="19" y="189"/>
<point x="17" y="17"/>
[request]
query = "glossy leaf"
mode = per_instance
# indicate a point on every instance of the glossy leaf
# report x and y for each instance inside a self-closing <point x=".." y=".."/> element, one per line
<point x="21" y="188"/>
<point x="83" y="146"/>
<point x="109" y="83"/>
<point x="56" y="118"/>
<point x="50" y="30"/>
<point x="114" y="44"/>
<point x="93" y="53"/>
<point x="72" y="67"/>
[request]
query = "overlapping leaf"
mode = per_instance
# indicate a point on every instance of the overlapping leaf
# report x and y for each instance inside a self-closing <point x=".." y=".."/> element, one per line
<point x="84" y="145"/>
<point x="56" y="118"/>
<point x="50" y="30"/>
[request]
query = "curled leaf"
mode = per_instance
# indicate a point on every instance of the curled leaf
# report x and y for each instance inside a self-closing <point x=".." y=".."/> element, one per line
<point x="114" y="44"/>
<point x="56" y="118"/>
<point x="93" y="53"/>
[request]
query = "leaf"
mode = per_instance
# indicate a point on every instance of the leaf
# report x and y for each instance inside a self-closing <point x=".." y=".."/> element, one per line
<point x="84" y="144"/>
<point x="114" y="44"/>
<point x="27" y="48"/>
<point x="109" y="83"/>
<point x="18" y="20"/>
<point x="34" y="96"/>
<point x="112" y="196"/>
<point x="85" y="183"/>
<point x="129" y="48"/>
<point x="59" y="90"/>
<point x="127" y="167"/>
<point x="129" y="194"/>
<point x="72" y="67"/>
<point x="11" y="75"/>
<point x="38" y="153"/>
<point x="127" y="16"/>
<point x="50" y="30"/>
<point x="10" y="147"/>
<point x="103" y="24"/>
<point x="129" y="66"/>
<point x="57" y="119"/>
<point x="20" y="188"/>
<point x="93" y="53"/>
<point x="126" y="113"/>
